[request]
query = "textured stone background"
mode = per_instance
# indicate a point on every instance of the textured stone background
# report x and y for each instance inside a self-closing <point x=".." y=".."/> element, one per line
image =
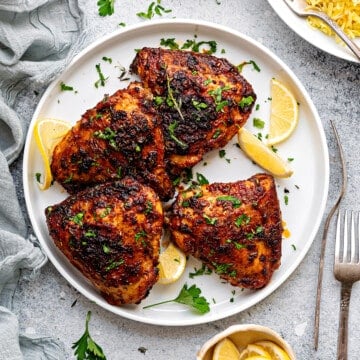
<point x="44" y="305"/>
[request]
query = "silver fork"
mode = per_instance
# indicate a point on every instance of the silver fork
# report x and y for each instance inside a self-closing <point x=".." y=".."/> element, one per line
<point x="346" y="269"/>
<point x="299" y="7"/>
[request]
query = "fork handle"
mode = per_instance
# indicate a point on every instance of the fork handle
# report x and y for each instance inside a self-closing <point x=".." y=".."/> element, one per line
<point x="343" y="321"/>
<point x="351" y="44"/>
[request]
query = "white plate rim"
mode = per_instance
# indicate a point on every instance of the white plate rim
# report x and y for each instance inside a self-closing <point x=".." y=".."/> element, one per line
<point x="270" y="288"/>
<point x="315" y="37"/>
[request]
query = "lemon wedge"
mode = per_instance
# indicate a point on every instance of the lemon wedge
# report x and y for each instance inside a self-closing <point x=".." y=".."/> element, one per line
<point x="275" y="351"/>
<point x="257" y="151"/>
<point x="284" y="115"/>
<point x="47" y="133"/>
<point x="172" y="262"/>
<point x="226" y="350"/>
<point x="254" y="350"/>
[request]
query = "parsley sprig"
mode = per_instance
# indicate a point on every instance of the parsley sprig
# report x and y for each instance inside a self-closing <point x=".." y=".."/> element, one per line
<point x="86" y="348"/>
<point x="190" y="297"/>
<point x="105" y="7"/>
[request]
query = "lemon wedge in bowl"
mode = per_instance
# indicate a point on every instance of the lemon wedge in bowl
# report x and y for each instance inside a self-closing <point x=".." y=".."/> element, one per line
<point x="172" y="263"/>
<point x="275" y="351"/>
<point x="261" y="154"/>
<point x="226" y="350"/>
<point x="47" y="133"/>
<point x="284" y="113"/>
<point x="254" y="350"/>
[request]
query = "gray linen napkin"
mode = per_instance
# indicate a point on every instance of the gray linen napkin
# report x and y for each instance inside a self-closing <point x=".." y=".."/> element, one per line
<point x="37" y="39"/>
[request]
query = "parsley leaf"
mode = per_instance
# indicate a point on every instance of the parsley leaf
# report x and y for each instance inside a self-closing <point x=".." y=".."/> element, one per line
<point x="190" y="297"/>
<point x="86" y="348"/>
<point x="153" y="8"/>
<point x="106" y="7"/>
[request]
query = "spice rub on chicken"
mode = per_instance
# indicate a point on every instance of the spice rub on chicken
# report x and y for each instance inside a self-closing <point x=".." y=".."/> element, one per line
<point x="111" y="233"/>
<point x="120" y="136"/>
<point x="235" y="228"/>
<point x="202" y="99"/>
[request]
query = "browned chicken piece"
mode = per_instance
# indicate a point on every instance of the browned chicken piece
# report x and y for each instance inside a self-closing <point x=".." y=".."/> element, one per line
<point x="235" y="229"/>
<point x="111" y="233"/>
<point x="120" y="136"/>
<point x="203" y="100"/>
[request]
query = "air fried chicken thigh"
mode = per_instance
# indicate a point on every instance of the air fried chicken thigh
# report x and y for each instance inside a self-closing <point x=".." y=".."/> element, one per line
<point x="202" y="100"/>
<point x="235" y="229"/>
<point x="120" y="136"/>
<point x="111" y="233"/>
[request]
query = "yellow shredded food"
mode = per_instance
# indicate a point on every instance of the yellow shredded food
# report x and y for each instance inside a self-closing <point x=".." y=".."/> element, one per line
<point x="346" y="13"/>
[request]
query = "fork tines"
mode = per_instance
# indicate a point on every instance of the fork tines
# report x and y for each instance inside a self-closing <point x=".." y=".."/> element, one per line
<point x="347" y="238"/>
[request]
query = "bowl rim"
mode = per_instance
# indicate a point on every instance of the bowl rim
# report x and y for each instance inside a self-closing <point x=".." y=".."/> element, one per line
<point x="243" y="328"/>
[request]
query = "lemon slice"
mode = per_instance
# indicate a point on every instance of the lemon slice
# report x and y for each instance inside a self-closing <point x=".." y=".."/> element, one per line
<point x="284" y="115"/>
<point x="275" y="351"/>
<point x="47" y="133"/>
<point x="254" y="350"/>
<point x="226" y="350"/>
<point x="257" y="151"/>
<point x="172" y="262"/>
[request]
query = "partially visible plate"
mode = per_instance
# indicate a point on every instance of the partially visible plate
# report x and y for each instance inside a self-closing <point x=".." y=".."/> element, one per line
<point x="306" y="189"/>
<point x="313" y="36"/>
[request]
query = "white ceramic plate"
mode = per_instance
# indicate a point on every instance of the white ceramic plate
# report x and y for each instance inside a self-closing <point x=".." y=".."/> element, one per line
<point x="307" y="187"/>
<point x="313" y="36"/>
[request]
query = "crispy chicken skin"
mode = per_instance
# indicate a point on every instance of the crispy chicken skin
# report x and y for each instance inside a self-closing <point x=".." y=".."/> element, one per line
<point x="202" y="99"/>
<point x="235" y="228"/>
<point x="120" y="136"/>
<point x="111" y="233"/>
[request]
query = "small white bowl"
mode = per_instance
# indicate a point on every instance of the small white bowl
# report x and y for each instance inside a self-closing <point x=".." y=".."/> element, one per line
<point x="241" y="336"/>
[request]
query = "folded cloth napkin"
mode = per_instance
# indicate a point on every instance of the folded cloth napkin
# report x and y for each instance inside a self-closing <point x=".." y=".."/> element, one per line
<point x="37" y="39"/>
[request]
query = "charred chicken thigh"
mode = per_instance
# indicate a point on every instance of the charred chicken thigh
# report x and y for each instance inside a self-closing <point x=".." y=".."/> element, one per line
<point x="235" y="228"/>
<point x="111" y="233"/>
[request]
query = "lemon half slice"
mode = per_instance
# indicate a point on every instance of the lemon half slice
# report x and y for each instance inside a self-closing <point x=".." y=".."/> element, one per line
<point x="254" y="350"/>
<point x="226" y="350"/>
<point x="275" y="351"/>
<point x="48" y="133"/>
<point x="284" y="115"/>
<point x="257" y="151"/>
<point x="172" y="262"/>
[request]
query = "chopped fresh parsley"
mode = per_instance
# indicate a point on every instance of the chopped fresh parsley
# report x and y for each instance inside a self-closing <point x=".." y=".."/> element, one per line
<point x="86" y="348"/>
<point x="170" y="43"/>
<point x="258" y="123"/>
<point x="237" y="245"/>
<point x="204" y="270"/>
<point x="107" y="59"/>
<point x="242" y="219"/>
<point x="38" y="177"/>
<point x="64" y="87"/>
<point x="201" y="179"/>
<point x="102" y="79"/>
<point x="286" y="199"/>
<point x="236" y="202"/>
<point x="217" y="96"/>
<point x="172" y="127"/>
<point x="250" y="62"/>
<point x="105" y="7"/>
<point x="114" y="265"/>
<point x="209" y="220"/>
<point x="246" y="101"/>
<point x="189" y="297"/>
<point x="153" y="9"/>
<point x="109" y="135"/>
<point x="196" y="46"/>
<point x="78" y="218"/>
